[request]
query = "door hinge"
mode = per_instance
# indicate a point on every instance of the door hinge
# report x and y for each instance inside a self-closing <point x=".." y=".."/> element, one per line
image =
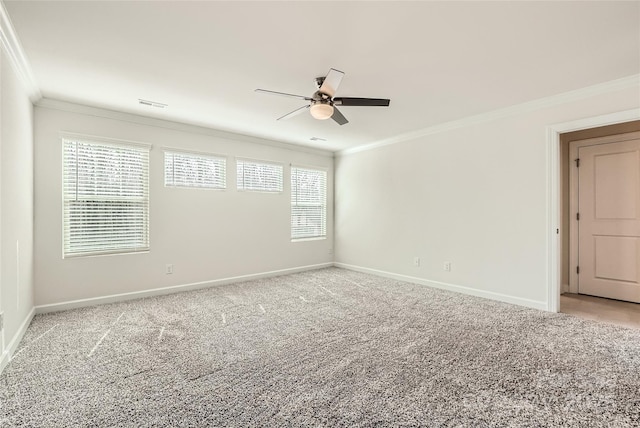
<point x="578" y="270"/>
<point x="578" y="163"/>
<point x="578" y="216"/>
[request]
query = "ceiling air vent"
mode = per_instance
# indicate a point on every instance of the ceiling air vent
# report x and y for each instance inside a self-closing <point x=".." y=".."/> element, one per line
<point x="151" y="103"/>
<point x="317" y="139"/>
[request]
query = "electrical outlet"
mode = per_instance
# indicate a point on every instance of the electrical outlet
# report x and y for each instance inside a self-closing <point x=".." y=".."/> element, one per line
<point x="416" y="261"/>
<point x="447" y="266"/>
<point x="330" y="250"/>
<point x="169" y="269"/>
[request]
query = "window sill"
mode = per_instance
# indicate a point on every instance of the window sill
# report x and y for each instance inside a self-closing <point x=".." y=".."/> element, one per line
<point x="316" y="238"/>
<point x="113" y="253"/>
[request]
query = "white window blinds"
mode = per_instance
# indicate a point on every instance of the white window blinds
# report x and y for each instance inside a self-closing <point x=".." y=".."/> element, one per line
<point x="106" y="197"/>
<point x="194" y="170"/>
<point x="308" y="203"/>
<point x="259" y="176"/>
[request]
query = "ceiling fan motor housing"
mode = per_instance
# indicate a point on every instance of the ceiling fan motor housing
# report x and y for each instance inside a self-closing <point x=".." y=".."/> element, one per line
<point x="320" y="96"/>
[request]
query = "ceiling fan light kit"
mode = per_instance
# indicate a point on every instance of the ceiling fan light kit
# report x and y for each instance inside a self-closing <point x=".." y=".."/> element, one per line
<point x="322" y="103"/>
<point x="321" y="110"/>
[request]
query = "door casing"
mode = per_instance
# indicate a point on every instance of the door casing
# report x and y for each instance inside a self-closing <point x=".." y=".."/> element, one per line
<point x="554" y="193"/>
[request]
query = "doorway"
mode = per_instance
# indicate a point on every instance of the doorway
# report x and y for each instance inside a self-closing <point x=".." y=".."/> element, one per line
<point x="602" y="148"/>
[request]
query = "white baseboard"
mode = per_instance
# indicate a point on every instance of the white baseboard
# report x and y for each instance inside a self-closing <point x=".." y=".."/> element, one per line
<point x="450" y="287"/>
<point x="15" y="340"/>
<point x="114" y="298"/>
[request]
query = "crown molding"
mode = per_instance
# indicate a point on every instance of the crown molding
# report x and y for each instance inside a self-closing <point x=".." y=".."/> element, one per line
<point x="12" y="47"/>
<point x="526" y="107"/>
<point x="67" y="106"/>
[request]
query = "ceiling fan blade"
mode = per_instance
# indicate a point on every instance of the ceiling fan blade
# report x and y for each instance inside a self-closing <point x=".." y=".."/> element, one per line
<point x="294" y="113"/>
<point x="349" y="101"/>
<point x="338" y="117"/>
<point x="284" y="94"/>
<point x="331" y="82"/>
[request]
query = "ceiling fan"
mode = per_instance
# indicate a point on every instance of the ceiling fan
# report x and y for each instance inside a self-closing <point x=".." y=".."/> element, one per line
<point x="322" y="104"/>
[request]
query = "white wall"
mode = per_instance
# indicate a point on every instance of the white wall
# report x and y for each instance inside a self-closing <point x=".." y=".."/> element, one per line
<point x="475" y="196"/>
<point x="16" y="207"/>
<point x="207" y="235"/>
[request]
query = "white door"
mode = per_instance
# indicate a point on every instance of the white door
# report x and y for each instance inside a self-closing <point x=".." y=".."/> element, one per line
<point x="609" y="220"/>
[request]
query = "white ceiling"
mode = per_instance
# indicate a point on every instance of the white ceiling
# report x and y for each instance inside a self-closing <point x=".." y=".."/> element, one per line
<point x="436" y="61"/>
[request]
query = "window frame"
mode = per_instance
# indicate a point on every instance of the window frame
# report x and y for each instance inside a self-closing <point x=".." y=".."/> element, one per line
<point x="325" y="203"/>
<point x="263" y="162"/>
<point x="145" y="148"/>
<point x="206" y="155"/>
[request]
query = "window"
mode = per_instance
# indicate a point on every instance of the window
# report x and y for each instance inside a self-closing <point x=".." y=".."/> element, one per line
<point x="183" y="169"/>
<point x="308" y="203"/>
<point x="259" y="176"/>
<point x="106" y="197"/>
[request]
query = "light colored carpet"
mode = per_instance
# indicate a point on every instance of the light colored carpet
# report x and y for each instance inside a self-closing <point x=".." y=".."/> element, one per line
<point x="323" y="348"/>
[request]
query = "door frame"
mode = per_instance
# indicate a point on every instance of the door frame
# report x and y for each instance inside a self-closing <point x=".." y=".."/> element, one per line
<point x="554" y="193"/>
<point x="574" y="238"/>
